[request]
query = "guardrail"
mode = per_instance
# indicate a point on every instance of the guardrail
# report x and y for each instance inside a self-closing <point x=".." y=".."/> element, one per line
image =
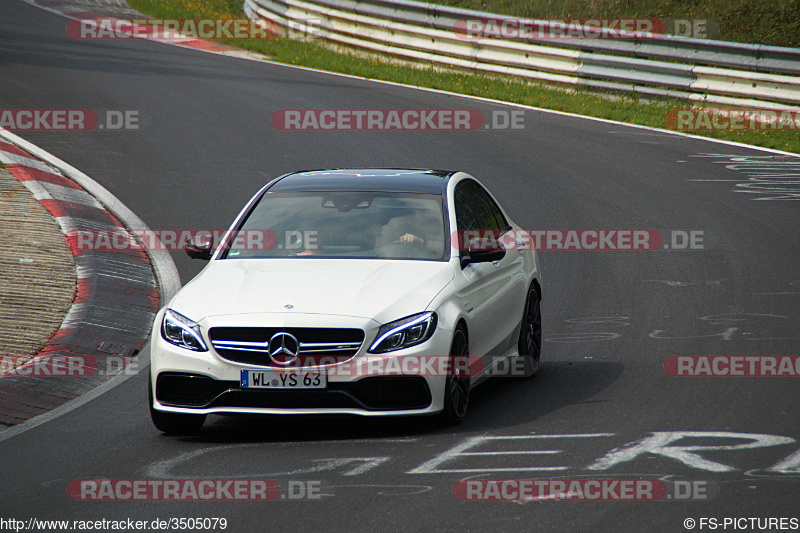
<point x="718" y="73"/>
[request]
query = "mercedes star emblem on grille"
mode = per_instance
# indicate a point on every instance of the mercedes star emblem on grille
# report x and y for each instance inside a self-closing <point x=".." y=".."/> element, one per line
<point x="283" y="348"/>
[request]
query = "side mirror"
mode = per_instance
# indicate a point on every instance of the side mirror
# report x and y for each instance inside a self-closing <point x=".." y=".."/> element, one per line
<point x="482" y="254"/>
<point x="199" y="247"/>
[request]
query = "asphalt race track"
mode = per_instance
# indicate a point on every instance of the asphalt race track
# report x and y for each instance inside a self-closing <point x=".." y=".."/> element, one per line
<point x="611" y="318"/>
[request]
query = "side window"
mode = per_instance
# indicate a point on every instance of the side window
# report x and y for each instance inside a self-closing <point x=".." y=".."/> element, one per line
<point x="493" y="214"/>
<point x="475" y="209"/>
<point x="466" y="210"/>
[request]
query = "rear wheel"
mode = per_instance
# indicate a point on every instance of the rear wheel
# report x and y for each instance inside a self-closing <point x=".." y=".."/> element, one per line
<point x="530" y="333"/>
<point x="173" y="423"/>
<point x="456" y="391"/>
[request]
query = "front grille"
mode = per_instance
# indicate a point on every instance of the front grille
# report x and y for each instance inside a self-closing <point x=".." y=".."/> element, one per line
<point x="317" y="345"/>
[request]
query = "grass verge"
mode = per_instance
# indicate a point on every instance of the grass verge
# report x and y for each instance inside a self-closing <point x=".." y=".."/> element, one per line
<point x="583" y="102"/>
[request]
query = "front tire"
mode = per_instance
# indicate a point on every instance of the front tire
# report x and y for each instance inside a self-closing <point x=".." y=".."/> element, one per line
<point x="457" y="384"/>
<point x="530" y="333"/>
<point x="173" y="423"/>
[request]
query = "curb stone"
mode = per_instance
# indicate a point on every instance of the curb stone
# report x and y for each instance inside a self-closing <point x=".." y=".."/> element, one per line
<point x="112" y="312"/>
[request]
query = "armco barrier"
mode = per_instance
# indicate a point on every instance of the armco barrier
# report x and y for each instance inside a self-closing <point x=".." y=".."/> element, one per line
<point x="715" y="72"/>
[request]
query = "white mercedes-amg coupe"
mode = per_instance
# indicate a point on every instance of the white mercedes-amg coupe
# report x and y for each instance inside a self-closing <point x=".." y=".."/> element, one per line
<point x="350" y="291"/>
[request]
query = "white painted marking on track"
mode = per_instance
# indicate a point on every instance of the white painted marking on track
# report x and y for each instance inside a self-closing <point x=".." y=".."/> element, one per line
<point x="80" y="400"/>
<point x="767" y="176"/>
<point x="460" y="450"/>
<point x="660" y="443"/>
<point x="357" y="465"/>
<point x="731" y="317"/>
<point x="790" y="465"/>
<point x="725" y="335"/>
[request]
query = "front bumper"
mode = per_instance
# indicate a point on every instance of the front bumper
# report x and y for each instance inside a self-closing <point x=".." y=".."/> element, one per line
<point x="186" y="381"/>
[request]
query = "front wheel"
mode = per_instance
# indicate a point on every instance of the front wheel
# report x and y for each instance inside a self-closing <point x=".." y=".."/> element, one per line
<point x="456" y="390"/>
<point x="530" y="333"/>
<point x="173" y="423"/>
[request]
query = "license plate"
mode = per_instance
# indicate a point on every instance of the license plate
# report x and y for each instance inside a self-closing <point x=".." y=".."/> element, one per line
<point x="290" y="379"/>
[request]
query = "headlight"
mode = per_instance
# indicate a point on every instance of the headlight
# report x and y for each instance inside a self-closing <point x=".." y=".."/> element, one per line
<point x="180" y="331"/>
<point x="404" y="333"/>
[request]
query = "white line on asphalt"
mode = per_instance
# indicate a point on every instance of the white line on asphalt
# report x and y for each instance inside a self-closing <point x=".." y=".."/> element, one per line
<point x="71" y="405"/>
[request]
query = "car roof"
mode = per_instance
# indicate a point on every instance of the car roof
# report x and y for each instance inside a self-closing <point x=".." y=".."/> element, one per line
<point x="403" y="180"/>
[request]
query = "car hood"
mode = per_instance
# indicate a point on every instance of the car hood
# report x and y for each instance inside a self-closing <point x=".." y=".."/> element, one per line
<point x="383" y="290"/>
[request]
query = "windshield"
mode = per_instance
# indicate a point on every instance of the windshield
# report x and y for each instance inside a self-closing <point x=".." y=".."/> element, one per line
<point x="369" y="225"/>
